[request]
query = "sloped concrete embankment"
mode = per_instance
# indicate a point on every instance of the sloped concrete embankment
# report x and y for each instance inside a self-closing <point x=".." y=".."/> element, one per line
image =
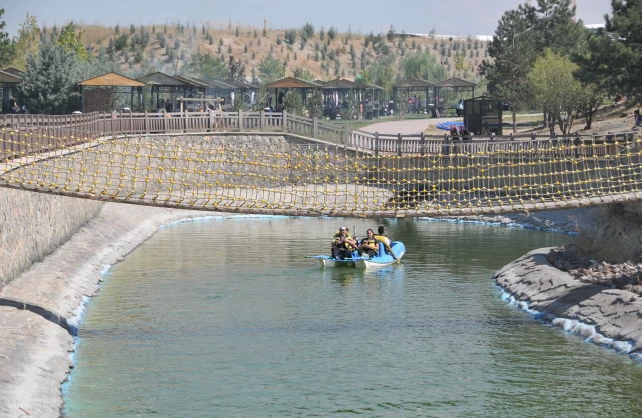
<point x="35" y="341"/>
<point x="604" y="315"/>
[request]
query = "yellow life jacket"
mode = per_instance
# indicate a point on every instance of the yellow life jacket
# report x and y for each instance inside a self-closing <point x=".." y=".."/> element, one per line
<point x="337" y="238"/>
<point x="371" y="241"/>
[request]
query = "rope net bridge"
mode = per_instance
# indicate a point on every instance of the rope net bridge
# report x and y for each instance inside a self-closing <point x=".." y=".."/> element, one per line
<point x="280" y="173"/>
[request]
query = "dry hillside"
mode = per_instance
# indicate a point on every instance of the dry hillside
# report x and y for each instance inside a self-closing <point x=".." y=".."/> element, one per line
<point x="251" y="45"/>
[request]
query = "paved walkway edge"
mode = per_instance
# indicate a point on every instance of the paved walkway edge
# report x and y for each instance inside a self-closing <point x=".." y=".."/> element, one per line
<point x="602" y="315"/>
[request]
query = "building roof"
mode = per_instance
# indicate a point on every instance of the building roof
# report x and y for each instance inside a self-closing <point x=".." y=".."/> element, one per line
<point x="192" y="81"/>
<point x="111" y="80"/>
<point x="292" y="82"/>
<point x="6" y="77"/>
<point x="455" y="82"/>
<point x="160" y="79"/>
<point x="14" y="71"/>
<point x="340" y="84"/>
<point x="413" y="82"/>
<point x="371" y="86"/>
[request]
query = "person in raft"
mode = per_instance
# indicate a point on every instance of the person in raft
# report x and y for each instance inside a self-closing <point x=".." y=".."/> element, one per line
<point x="382" y="238"/>
<point x="369" y="244"/>
<point x="343" y="244"/>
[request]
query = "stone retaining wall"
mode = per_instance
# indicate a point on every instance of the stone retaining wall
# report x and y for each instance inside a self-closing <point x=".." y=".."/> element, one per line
<point x="33" y="225"/>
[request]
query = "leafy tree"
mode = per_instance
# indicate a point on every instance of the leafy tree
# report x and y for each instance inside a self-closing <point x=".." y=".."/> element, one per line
<point x="270" y="70"/>
<point x="423" y="66"/>
<point x="383" y="72"/>
<point x="207" y="67"/>
<point x="293" y="102"/>
<point x="554" y="25"/>
<point x="7" y="48"/>
<point x="49" y="83"/>
<point x="314" y="105"/>
<point x="350" y="110"/>
<point x="239" y="103"/>
<point x="556" y="89"/>
<point x="27" y="42"/>
<point x="72" y="41"/>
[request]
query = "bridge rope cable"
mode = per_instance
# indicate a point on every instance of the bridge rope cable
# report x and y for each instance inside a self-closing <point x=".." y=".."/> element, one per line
<point x="278" y="174"/>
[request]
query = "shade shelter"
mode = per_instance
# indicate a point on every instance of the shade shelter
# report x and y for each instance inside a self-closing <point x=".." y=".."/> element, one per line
<point x="483" y="115"/>
<point x="277" y="90"/>
<point x="8" y="88"/>
<point x="452" y="85"/>
<point x="411" y="86"/>
<point x="110" y="92"/>
<point x="374" y="100"/>
<point x="246" y="90"/>
<point x="336" y="95"/>
<point x="166" y="89"/>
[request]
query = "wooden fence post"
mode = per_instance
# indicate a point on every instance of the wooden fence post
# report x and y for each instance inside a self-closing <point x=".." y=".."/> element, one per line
<point x="185" y="119"/>
<point x="284" y="121"/>
<point x="422" y="144"/>
<point x="262" y="126"/>
<point x="145" y="123"/>
<point x="315" y="128"/>
<point x="399" y="145"/>
<point x="241" y="123"/>
<point x="376" y="144"/>
<point x="346" y="136"/>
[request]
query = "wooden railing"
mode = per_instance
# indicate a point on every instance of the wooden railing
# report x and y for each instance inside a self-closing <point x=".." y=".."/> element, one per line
<point x="25" y="134"/>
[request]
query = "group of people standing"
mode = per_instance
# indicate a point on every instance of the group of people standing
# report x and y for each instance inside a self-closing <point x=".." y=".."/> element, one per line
<point x="343" y="244"/>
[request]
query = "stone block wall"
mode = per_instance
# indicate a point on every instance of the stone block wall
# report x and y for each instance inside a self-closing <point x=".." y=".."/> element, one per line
<point x="33" y="225"/>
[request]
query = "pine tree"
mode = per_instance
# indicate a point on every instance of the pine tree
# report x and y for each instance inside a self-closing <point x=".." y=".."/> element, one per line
<point x="49" y="83"/>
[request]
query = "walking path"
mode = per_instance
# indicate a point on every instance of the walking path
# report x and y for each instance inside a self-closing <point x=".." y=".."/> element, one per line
<point x="408" y="126"/>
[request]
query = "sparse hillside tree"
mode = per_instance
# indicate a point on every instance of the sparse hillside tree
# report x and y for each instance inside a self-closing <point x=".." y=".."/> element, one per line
<point x="290" y="36"/>
<point x="307" y="31"/>
<point x="321" y="34"/>
<point x="332" y="33"/>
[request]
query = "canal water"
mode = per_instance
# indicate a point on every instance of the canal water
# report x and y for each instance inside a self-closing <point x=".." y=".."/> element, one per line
<point x="226" y="318"/>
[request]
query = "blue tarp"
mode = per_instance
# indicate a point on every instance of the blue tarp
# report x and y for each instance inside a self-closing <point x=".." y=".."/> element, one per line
<point x="446" y="125"/>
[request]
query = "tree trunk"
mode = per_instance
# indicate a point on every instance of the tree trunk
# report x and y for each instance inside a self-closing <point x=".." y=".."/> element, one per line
<point x="545" y="120"/>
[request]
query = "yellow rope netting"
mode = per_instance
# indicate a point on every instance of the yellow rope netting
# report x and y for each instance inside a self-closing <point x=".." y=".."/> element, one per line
<point x="277" y="175"/>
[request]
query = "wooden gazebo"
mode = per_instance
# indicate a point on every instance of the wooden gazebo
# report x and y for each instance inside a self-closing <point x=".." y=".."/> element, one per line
<point x="165" y="90"/>
<point x="335" y="93"/>
<point x="110" y="92"/>
<point x="8" y="88"/>
<point x="456" y="85"/>
<point x="279" y="88"/>
<point x="415" y="85"/>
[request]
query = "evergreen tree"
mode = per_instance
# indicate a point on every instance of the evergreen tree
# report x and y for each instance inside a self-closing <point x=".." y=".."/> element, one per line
<point x="314" y="105"/>
<point x="293" y="102"/>
<point x="49" y="83"/>
<point x="613" y="59"/>
<point x="207" y="67"/>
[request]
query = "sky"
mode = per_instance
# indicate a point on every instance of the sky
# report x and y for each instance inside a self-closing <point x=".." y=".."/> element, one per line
<point x="459" y="17"/>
